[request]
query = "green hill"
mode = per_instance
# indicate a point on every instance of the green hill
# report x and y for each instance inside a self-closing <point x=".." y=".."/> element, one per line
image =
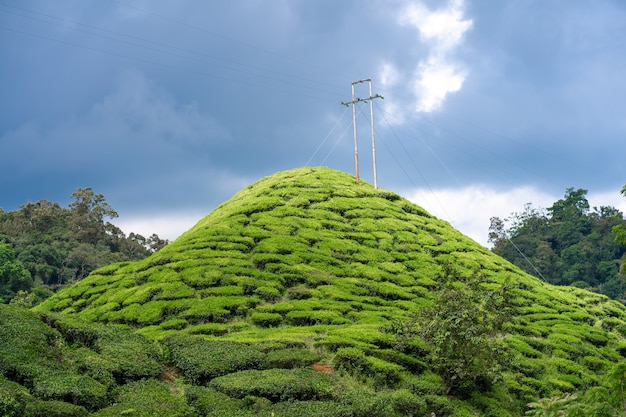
<point x="306" y="267"/>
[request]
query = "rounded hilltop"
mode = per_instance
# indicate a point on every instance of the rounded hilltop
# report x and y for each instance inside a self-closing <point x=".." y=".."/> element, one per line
<point x="303" y="247"/>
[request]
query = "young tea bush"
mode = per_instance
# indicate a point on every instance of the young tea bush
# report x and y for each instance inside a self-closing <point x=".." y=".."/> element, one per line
<point x="311" y="409"/>
<point x="276" y="384"/>
<point x="54" y="408"/>
<point x="201" y="360"/>
<point x="291" y="358"/>
<point x="147" y="397"/>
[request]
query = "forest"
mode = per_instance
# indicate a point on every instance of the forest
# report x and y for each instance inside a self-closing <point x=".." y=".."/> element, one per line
<point x="44" y="246"/>
<point x="569" y="243"/>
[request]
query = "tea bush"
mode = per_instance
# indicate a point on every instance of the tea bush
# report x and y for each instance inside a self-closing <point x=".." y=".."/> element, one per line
<point x="147" y="397"/>
<point x="276" y="384"/>
<point x="291" y="358"/>
<point x="201" y="360"/>
<point x="54" y="408"/>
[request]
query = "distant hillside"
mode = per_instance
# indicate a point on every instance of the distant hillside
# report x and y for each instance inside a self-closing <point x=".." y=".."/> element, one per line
<point x="306" y="259"/>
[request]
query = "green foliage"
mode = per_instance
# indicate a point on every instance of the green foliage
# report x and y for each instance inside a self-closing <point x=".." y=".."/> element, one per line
<point x="266" y="319"/>
<point x="276" y="384"/>
<point x="311" y="409"/>
<point x="291" y="358"/>
<point x="57" y="246"/>
<point x="147" y="398"/>
<point x="553" y="406"/>
<point x="54" y="408"/>
<point x="462" y="327"/>
<point x="202" y="360"/>
<point x="13" y="276"/>
<point x="567" y="244"/>
<point x="210" y="403"/>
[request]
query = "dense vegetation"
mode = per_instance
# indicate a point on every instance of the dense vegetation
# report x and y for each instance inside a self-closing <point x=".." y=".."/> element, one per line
<point x="44" y="246"/>
<point x="306" y="294"/>
<point x="567" y="244"/>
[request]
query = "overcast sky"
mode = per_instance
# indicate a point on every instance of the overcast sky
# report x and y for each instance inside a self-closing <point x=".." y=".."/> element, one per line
<point x="168" y="108"/>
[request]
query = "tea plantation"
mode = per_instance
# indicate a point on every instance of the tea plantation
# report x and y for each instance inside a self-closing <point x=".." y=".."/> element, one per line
<point x="287" y="300"/>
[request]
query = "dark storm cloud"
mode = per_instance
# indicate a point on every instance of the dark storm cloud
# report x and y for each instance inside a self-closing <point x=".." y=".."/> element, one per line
<point x="166" y="106"/>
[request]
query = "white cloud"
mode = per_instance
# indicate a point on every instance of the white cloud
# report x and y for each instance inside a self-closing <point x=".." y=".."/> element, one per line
<point x="441" y="32"/>
<point x="168" y="225"/>
<point x="469" y="209"/>
<point x="436" y="79"/>
<point x="444" y="29"/>
<point x="389" y="75"/>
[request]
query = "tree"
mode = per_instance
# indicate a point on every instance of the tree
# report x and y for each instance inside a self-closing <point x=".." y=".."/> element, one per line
<point x="462" y="327"/>
<point x="13" y="276"/>
<point x="568" y="243"/>
<point x="88" y="213"/>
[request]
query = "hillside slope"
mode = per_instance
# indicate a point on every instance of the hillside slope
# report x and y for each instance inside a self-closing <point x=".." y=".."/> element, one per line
<point x="308" y="259"/>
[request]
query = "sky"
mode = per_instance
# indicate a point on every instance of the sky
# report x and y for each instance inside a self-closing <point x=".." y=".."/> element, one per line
<point x="168" y="108"/>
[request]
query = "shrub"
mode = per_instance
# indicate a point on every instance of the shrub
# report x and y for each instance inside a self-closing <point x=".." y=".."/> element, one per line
<point x="201" y="360"/>
<point x="215" y="329"/>
<point x="385" y="374"/>
<point x="409" y="362"/>
<point x="174" y="324"/>
<point x="291" y="358"/>
<point x="39" y="408"/>
<point x="80" y="390"/>
<point x="266" y="293"/>
<point x="406" y="403"/>
<point x="350" y="359"/>
<point x="310" y="318"/>
<point x="131" y="356"/>
<point x="266" y="319"/>
<point x="276" y="384"/>
<point x="147" y="397"/>
<point x="211" y="403"/>
<point x="366" y="403"/>
<point x="355" y="361"/>
<point x="311" y="409"/>
<point x="427" y="383"/>
<point x="298" y="293"/>
<point x="9" y="405"/>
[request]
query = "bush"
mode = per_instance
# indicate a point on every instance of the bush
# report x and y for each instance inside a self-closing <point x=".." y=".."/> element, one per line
<point x="147" y="397"/>
<point x="366" y="403"/>
<point x="407" y="361"/>
<point x="291" y="358"/>
<point x="311" y="409"/>
<point x="268" y="294"/>
<point x="211" y="403"/>
<point x="406" y="403"/>
<point x="355" y="361"/>
<point x="312" y="317"/>
<point x="9" y="406"/>
<point x="266" y="319"/>
<point x="276" y="384"/>
<point x="201" y="360"/>
<point x="75" y="389"/>
<point x="384" y="374"/>
<point x="39" y="408"/>
<point x="350" y="359"/>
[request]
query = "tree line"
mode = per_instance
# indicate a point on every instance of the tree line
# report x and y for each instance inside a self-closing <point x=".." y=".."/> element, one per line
<point x="44" y="246"/>
<point x="569" y="243"/>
